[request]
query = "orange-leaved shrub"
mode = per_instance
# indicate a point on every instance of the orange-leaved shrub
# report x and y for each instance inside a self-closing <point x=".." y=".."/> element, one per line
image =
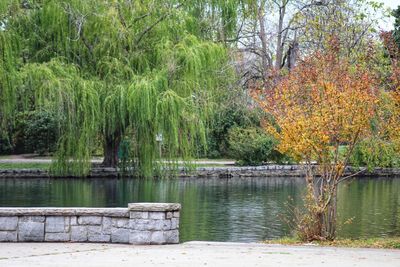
<point x="320" y="111"/>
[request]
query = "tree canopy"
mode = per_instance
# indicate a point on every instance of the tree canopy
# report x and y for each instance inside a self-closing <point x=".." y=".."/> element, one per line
<point x="109" y="69"/>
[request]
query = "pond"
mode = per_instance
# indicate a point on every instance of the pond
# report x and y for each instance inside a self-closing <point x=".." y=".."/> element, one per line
<point x="239" y="210"/>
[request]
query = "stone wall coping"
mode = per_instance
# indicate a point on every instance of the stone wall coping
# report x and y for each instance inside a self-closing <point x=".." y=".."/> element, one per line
<point x="154" y="206"/>
<point x="52" y="211"/>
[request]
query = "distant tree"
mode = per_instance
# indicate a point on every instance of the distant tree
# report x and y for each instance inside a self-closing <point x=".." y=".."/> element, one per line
<point x="390" y="110"/>
<point x="321" y="110"/>
<point x="274" y="35"/>
<point x="396" y="31"/>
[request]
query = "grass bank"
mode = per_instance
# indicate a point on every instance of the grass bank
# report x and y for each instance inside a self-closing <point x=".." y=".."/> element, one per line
<point x="24" y="165"/>
<point x="46" y="165"/>
<point x="386" y="242"/>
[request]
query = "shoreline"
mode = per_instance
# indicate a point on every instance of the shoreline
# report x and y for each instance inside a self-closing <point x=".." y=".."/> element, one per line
<point x="209" y="172"/>
<point x="390" y="242"/>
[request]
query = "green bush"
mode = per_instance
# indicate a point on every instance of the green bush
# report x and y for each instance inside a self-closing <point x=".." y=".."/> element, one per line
<point x="227" y="117"/>
<point x="252" y="146"/>
<point x="35" y="132"/>
<point x="5" y="144"/>
<point x="374" y="152"/>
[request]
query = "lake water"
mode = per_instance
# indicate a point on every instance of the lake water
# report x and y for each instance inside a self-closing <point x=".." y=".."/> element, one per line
<point x="240" y="210"/>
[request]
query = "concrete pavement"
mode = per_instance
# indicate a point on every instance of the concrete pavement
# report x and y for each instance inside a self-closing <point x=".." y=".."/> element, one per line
<point x="191" y="254"/>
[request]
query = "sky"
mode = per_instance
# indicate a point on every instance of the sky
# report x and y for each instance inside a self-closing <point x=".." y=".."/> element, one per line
<point x="391" y="3"/>
<point x="388" y="24"/>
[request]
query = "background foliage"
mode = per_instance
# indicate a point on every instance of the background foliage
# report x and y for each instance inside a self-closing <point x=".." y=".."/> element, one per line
<point x="35" y="132"/>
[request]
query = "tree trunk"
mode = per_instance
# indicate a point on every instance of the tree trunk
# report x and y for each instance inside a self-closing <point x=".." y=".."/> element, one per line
<point x="292" y="53"/>
<point x="264" y="46"/>
<point x="111" y="145"/>
<point x="331" y="214"/>
<point x="279" y="41"/>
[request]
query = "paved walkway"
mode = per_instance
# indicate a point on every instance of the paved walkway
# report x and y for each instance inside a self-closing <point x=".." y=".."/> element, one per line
<point x="191" y="254"/>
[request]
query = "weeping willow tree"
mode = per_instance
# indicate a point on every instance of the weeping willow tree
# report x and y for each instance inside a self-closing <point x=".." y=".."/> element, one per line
<point x="116" y="69"/>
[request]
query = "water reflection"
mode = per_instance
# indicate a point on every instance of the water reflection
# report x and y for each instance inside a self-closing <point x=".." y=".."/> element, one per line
<point x="244" y="210"/>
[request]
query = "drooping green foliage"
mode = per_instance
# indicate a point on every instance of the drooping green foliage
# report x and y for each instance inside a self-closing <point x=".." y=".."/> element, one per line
<point x="219" y="20"/>
<point x="112" y="69"/>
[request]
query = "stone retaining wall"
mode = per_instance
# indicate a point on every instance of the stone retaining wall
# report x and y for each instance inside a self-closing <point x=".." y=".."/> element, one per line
<point x="212" y="172"/>
<point x="282" y="171"/>
<point x="140" y="223"/>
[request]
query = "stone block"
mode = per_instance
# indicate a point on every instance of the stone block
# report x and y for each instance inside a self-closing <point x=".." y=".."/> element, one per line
<point x="120" y="222"/>
<point x="32" y="219"/>
<point x="79" y="233"/>
<point x="144" y="225"/>
<point x="94" y="229"/>
<point x="174" y="223"/>
<point x="139" y="215"/>
<point x="176" y="214"/>
<point x="103" y="238"/>
<point x="107" y="225"/>
<point x="89" y="220"/>
<point x="162" y="225"/>
<point x="95" y="234"/>
<point x="120" y="235"/>
<point x="8" y="236"/>
<point x="157" y="215"/>
<point x="157" y="237"/>
<point x="140" y="224"/>
<point x="57" y="237"/>
<point x="171" y="237"/>
<point x="8" y="223"/>
<point x="169" y="215"/>
<point x="74" y="220"/>
<point x="57" y="224"/>
<point x="30" y="231"/>
<point x="139" y="237"/>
